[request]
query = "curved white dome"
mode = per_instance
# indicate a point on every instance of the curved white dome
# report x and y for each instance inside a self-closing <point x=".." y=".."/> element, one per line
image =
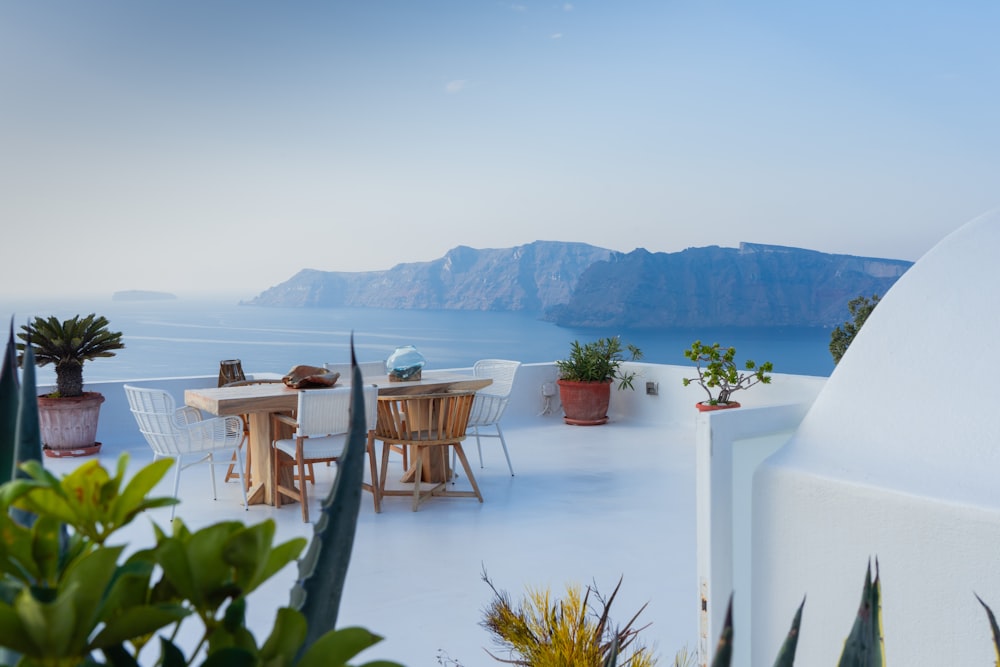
<point x="910" y="404"/>
<point x="897" y="460"/>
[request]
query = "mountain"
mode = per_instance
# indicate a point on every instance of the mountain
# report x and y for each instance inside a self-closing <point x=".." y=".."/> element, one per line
<point x="532" y="277"/>
<point x="754" y="285"/>
<point x="575" y="284"/>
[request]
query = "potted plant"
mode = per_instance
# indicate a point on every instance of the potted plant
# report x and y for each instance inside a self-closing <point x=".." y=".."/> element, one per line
<point x="720" y="376"/>
<point x="585" y="379"/>
<point x="68" y="416"/>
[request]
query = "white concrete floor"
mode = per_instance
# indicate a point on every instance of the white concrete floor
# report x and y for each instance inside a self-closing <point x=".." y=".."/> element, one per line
<point x="587" y="505"/>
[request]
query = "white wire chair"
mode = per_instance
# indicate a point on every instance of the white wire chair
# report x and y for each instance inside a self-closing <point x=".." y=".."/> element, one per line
<point x="182" y="433"/>
<point x="491" y="402"/>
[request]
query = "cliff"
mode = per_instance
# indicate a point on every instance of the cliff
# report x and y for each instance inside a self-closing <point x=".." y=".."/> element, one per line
<point x="575" y="284"/>
<point x="754" y="285"/>
<point x="532" y="277"/>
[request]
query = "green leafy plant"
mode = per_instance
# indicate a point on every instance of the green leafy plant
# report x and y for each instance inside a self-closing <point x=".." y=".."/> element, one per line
<point x="68" y="344"/>
<point x="68" y="597"/>
<point x="843" y="335"/>
<point x="599" y="361"/>
<point x="718" y="373"/>
<point x="543" y="631"/>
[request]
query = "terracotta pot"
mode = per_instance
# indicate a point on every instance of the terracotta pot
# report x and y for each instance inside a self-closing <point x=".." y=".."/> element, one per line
<point x="707" y="407"/>
<point x="585" y="403"/>
<point x="69" y="425"/>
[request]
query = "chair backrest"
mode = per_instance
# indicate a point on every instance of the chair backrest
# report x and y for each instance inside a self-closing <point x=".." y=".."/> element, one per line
<point x="501" y="371"/>
<point x="367" y="368"/>
<point x="327" y="411"/>
<point x="154" y="410"/>
<point x="424" y="417"/>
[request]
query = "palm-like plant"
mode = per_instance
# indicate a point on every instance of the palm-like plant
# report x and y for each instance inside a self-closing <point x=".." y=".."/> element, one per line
<point x="68" y="344"/>
<point x="598" y="361"/>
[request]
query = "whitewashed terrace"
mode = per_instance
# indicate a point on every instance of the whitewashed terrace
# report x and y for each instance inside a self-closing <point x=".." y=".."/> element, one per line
<point x="588" y="505"/>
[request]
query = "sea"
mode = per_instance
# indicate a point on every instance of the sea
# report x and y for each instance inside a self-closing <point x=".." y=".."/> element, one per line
<point x="190" y="336"/>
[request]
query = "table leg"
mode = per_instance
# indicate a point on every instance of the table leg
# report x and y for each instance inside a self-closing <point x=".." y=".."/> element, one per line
<point x="261" y="462"/>
<point x="436" y="466"/>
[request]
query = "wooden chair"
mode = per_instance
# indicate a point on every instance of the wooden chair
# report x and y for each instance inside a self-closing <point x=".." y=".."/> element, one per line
<point x="321" y="422"/>
<point x="428" y="424"/>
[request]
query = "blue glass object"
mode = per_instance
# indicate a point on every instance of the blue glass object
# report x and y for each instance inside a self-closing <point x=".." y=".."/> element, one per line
<point x="404" y="364"/>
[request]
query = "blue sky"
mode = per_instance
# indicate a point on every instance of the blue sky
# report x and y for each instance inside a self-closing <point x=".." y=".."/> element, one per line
<point x="145" y="145"/>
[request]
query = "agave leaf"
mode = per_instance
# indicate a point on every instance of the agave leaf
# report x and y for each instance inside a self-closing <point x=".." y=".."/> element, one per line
<point x="863" y="647"/>
<point x="994" y="628"/>
<point x="786" y="656"/>
<point x="724" y="649"/>
<point x="9" y="401"/>
<point x="29" y="437"/>
<point x="323" y="569"/>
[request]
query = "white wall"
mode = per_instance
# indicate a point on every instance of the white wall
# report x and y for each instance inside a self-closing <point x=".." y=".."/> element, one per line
<point x="731" y="444"/>
<point x="897" y="460"/>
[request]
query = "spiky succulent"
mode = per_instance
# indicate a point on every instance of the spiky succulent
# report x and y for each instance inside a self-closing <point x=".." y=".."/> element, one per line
<point x="68" y="344"/>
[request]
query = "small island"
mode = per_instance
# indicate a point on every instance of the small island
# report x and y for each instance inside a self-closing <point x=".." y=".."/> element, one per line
<point x="141" y="295"/>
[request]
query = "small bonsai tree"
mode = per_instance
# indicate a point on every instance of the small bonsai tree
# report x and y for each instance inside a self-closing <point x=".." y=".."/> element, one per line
<point x="720" y="372"/>
<point x="68" y="345"/>
<point x="842" y="337"/>
<point x="598" y="361"/>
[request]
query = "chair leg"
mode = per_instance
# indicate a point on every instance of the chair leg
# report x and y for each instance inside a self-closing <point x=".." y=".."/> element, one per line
<point x="231" y="470"/>
<point x="230" y="473"/>
<point x="385" y="468"/>
<point x="242" y="479"/>
<point x="211" y="472"/>
<point x="247" y="480"/>
<point x="177" y="485"/>
<point x="418" y="472"/>
<point x="275" y="494"/>
<point x="373" y="487"/>
<point x="303" y="497"/>
<point x="468" y="470"/>
<point x="503" y="443"/>
<point x="479" y="445"/>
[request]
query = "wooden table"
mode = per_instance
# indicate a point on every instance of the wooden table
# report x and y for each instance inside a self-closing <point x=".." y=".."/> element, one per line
<point x="260" y="400"/>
